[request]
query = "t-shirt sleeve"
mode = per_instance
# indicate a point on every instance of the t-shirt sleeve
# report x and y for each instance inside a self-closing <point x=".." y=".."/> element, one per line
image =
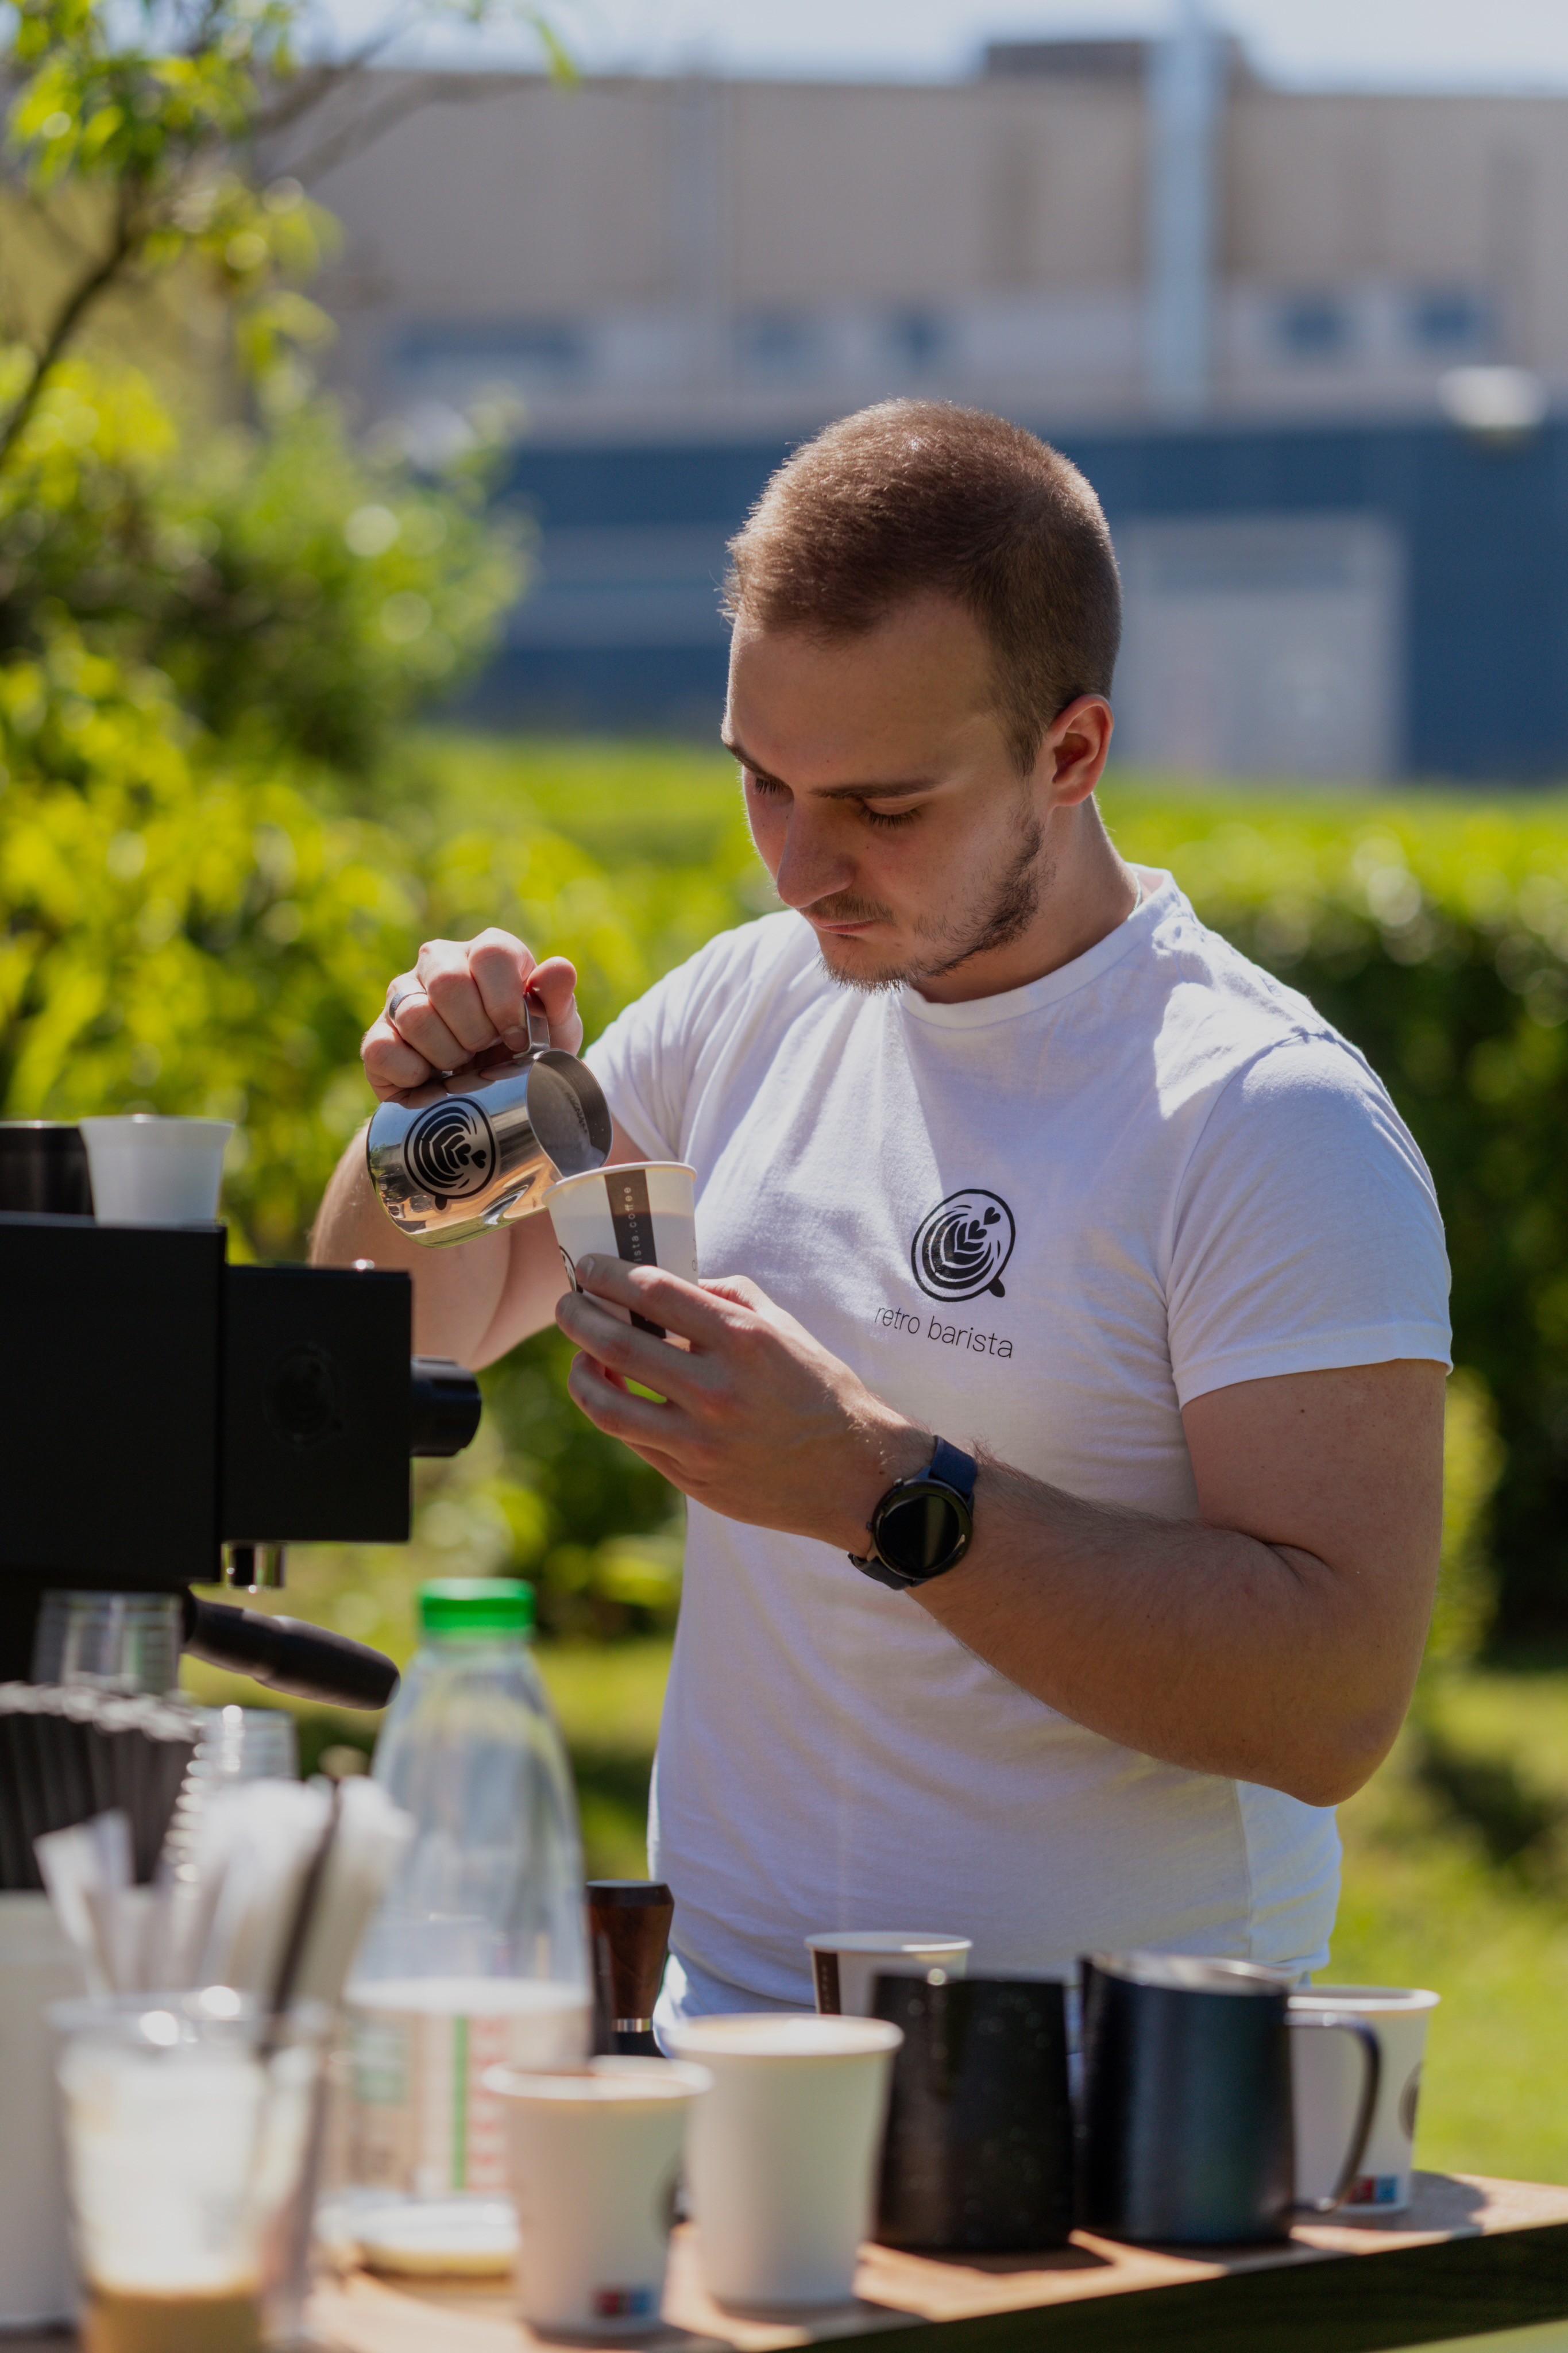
<point x="1307" y="1235"/>
<point x="646" y="1060"/>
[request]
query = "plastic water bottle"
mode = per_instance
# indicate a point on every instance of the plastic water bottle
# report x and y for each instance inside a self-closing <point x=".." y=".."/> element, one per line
<point x="478" y="1953"/>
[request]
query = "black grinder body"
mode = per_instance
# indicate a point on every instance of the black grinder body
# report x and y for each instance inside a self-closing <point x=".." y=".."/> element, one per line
<point x="157" y="1403"/>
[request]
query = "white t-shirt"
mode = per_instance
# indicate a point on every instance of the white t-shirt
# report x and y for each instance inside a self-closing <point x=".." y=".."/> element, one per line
<point x="1044" y="1219"/>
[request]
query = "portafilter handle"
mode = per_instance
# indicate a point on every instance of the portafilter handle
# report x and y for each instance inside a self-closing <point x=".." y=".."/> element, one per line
<point x="287" y="1655"/>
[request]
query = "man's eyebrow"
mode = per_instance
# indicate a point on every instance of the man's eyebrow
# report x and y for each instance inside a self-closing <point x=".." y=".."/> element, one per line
<point x="831" y="792"/>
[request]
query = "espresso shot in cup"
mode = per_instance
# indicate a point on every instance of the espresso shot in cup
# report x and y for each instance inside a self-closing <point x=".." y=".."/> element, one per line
<point x="847" y="1962"/>
<point x="643" y="1212"/>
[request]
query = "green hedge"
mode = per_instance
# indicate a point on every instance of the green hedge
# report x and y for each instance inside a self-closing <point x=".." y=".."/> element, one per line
<point x="1434" y="931"/>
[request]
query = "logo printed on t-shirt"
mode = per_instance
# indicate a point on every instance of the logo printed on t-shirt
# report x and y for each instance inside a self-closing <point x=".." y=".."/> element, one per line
<point x="963" y="1245"/>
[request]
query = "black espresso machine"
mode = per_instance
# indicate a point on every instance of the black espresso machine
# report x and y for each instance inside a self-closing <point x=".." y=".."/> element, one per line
<point x="168" y="1420"/>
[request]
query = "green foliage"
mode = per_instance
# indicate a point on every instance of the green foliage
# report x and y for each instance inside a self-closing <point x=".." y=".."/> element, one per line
<point x="299" y="596"/>
<point x="1466" y="1607"/>
<point x="1434" y="931"/>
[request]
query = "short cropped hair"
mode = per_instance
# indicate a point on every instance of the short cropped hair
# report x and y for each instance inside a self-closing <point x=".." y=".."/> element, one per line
<point x="916" y="496"/>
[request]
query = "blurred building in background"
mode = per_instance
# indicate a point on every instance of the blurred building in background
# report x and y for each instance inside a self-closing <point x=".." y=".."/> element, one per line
<point x="1308" y="347"/>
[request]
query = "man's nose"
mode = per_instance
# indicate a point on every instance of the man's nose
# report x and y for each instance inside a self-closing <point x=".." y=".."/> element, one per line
<point x="814" y="865"/>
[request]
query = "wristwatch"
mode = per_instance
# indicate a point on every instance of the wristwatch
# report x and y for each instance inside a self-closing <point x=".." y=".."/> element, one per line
<point x="923" y="1525"/>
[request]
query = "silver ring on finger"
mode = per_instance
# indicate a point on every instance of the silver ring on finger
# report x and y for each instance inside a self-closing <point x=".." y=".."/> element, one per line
<point x="400" y="991"/>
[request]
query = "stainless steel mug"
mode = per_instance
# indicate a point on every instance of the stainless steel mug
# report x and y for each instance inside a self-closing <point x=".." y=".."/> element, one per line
<point x="1187" y="2135"/>
<point x="481" y="1148"/>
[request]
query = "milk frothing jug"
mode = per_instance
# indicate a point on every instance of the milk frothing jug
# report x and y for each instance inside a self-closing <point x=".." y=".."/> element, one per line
<point x="480" y="1147"/>
<point x="1187" y="2132"/>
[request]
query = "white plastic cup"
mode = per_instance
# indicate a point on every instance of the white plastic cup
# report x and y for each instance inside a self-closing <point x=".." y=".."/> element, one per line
<point x="148" y="1171"/>
<point x="37" y="1968"/>
<point x="782" y="2153"/>
<point x="1326" y="2073"/>
<point x="846" y="1963"/>
<point x="643" y="1212"/>
<point x="596" y="2161"/>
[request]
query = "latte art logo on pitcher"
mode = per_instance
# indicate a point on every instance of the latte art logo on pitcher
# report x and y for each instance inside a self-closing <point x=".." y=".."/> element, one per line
<point x="451" y="1149"/>
<point x="963" y="1246"/>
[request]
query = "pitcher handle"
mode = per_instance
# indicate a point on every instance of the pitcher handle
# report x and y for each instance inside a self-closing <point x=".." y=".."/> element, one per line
<point x="1372" y="2055"/>
<point x="538" y="1021"/>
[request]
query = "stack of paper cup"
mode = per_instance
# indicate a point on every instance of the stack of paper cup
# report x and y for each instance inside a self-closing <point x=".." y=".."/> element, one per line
<point x="155" y="1172"/>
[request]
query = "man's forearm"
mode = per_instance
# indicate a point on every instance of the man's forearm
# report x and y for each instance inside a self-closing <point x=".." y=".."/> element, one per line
<point x="457" y="1292"/>
<point x="1204" y="1647"/>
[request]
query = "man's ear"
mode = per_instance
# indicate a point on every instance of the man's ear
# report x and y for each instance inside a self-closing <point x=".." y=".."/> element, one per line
<point x="1077" y="746"/>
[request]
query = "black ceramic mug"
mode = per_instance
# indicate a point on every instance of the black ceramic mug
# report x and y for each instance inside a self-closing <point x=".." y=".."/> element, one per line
<point x="1187" y="2136"/>
<point x="978" y="2153"/>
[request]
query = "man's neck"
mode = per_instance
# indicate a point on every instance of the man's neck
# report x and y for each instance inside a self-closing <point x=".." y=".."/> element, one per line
<point x="1086" y="891"/>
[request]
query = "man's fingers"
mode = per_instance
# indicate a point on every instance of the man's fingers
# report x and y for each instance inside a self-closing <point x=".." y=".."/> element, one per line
<point x="640" y="1421"/>
<point x="660" y="1297"/>
<point x="502" y="967"/>
<point x="391" y="1065"/>
<point x="556" y="982"/>
<point x="419" y="1024"/>
<point x="637" y="1356"/>
<point x="453" y="995"/>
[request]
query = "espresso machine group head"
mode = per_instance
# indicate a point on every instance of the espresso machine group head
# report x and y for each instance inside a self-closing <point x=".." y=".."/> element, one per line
<point x="168" y="1420"/>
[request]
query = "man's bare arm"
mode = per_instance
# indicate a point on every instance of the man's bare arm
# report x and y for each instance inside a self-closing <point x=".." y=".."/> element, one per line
<point x="1275" y="1638"/>
<point x="472" y="1300"/>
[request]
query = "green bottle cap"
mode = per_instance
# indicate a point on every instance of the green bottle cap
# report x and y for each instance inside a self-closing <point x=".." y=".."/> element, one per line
<point x="474" y="1607"/>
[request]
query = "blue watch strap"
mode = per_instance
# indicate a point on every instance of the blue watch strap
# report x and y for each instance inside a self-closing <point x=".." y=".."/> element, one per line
<point x="949" y="1467"/>
<point x="954" y="1469"/>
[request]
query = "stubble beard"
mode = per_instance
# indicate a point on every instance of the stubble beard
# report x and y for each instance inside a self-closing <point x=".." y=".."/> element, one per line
<point x="1003" y="913"/>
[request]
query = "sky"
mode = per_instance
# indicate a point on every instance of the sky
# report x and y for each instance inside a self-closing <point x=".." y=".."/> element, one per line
<point x="1369" y="44"/>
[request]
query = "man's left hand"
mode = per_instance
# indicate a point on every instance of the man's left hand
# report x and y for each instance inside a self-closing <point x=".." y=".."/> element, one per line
<point x="755" y="1418"/>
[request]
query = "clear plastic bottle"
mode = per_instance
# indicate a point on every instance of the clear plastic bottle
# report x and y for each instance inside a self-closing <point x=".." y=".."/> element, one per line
<point x="478" y="1952"/>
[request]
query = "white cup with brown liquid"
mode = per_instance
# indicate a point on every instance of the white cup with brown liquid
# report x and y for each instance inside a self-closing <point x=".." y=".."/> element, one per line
<point x="188" y="2130"/>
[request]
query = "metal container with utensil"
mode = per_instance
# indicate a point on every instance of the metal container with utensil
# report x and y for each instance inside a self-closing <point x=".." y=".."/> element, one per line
<point x="480" y="1148"/>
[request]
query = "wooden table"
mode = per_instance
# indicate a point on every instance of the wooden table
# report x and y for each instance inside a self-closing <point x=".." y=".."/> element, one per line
<point x="1471" y="2256"/>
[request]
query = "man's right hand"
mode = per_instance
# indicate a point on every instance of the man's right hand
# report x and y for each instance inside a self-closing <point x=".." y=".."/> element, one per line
<point x="462" y="996"/>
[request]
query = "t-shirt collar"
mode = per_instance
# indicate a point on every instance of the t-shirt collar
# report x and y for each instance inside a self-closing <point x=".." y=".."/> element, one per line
<point x="1159" y="896"/>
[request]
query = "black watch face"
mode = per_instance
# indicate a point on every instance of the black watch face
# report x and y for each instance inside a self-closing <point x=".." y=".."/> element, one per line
<point x="917" y="1534"/>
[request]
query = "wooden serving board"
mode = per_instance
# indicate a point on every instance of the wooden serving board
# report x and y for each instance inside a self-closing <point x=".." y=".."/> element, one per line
<point x="1470" y="2256"/>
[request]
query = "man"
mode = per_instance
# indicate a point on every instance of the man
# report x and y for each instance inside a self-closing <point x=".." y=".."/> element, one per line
<point x="1016" y="1182"/>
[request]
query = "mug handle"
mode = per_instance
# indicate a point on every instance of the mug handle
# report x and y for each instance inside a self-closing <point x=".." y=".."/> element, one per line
<point x="538" y="1022"/>
<point x="1372" y="2055"/>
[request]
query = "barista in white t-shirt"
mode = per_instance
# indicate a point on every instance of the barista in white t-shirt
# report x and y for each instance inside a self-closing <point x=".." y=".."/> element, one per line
<point x="1062" y="1423"/>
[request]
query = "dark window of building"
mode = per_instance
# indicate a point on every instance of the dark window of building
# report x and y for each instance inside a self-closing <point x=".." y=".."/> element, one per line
<point x="917" y="337"/>
<point x="554" y="346"/>
<point x="1313" y="327"/>
<point x="778" y="342"/>
<point x="1449" y="319"/>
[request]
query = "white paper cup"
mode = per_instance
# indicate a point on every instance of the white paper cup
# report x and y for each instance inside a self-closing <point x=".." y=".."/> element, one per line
<point x="155" y="1172"/>
<point x="595" y="2158"/>
<point x="643" y="1212"/>
<point x="37" y="1968"/>
<point x="846" y="1963"/>
<point x="782" y="2153"/>
<point x="1326" y="2076"/>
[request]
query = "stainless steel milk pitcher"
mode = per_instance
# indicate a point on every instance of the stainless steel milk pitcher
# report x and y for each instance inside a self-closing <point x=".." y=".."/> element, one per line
<point x="480" y="1148"/>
